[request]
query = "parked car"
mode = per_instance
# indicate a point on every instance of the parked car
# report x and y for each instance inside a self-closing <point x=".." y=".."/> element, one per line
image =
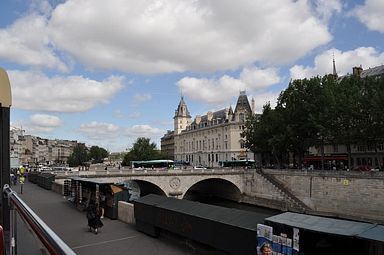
<point x="363" y="168"/>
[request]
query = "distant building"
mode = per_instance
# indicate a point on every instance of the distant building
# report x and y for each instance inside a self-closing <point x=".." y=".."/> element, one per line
<point x="168" y="144"/>
<point x="33" y="150"/>
<point x="213" y="137"/>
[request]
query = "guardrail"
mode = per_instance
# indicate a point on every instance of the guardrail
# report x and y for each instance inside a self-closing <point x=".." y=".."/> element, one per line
<point x="48" y="240"/>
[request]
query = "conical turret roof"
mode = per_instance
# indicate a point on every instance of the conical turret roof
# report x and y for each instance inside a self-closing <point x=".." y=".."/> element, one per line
<point x="182" y="109"/>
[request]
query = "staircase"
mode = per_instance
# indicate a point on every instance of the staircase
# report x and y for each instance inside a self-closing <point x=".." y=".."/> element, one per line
<point x="292" y="203"/>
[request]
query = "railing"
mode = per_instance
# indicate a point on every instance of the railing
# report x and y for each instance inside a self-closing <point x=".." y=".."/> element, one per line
<point x="28" y="232"/>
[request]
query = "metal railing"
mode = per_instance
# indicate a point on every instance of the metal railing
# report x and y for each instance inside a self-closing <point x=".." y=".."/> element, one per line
<point x="47" y="241"/>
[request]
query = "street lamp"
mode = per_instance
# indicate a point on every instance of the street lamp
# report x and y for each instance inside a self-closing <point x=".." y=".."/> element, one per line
<point x="322" y="150"/>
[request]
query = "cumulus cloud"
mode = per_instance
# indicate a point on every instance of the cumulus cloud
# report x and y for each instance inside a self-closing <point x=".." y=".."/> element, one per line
<point x="99" y="130"/>
<point x="43" y="123"/>
<point x="38" y="92"/>
<point x="326" y="8"/>
<point x="371" y="14"/>
<point x="157" y="36"/>
<point x="27" y="42"/>
<point x="263" y="98"/>
<point x="143" y="131"/>
<point x="218" y="91"/>
<point x="365" y="56"/>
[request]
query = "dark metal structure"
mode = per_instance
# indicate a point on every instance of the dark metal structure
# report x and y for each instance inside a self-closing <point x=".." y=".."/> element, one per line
<point x="5" y="105"/>
<point x="228" y="230"/>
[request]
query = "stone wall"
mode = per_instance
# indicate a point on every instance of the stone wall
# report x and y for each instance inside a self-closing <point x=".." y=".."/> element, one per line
<point x="354" y="195"/>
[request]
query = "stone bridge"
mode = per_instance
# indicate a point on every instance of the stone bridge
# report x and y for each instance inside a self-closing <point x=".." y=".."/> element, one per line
<point x="353" y="195"/>
<point x="227" y="184"/>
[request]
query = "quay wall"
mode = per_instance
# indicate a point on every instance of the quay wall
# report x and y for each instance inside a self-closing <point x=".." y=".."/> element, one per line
<point x="354" y="195"/>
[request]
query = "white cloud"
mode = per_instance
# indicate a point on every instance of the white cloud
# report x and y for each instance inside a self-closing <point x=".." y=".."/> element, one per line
<point x="36" y="91"/>
<point x="365" y="56"/>
<point x="99" y="130"/>
<point x="326" y="8"/>
<point x="218" y="91"/>
<point x="140" y="98"/>
<point x="45" y="120"/>
<point x="135" y="115"/>
<point x="256" y="78"/>
<point x="27" y="42"/>
<point x="262" y="98"/>
<point x="143" y="131"/>
<point x="156" y="36"/>
<point x="43" y="123"/>
<point x="371" y="14"/>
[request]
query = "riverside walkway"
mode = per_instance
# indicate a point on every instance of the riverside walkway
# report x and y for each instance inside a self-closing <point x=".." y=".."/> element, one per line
<point x="115" y="237"/>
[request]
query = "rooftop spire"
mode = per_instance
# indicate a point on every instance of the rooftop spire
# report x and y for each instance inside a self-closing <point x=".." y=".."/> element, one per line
<point x="334" y="66"/>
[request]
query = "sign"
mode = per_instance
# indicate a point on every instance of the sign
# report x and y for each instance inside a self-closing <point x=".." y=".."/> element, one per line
<point x="264" y="235"/>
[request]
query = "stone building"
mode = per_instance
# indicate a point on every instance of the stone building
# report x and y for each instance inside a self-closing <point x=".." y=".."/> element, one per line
<point x="168" y="145"/>
<point x="33" y="150"/>
<point x="211" y="138"/>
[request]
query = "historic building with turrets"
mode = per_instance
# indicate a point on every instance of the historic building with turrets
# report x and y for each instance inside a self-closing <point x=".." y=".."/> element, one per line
<point x="206" y="140"/>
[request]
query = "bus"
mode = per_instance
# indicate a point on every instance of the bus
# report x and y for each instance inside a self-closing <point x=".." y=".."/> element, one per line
<point x="327" y="162"/>
<point x="152" y="164"/>
<point x="245" y="163"/>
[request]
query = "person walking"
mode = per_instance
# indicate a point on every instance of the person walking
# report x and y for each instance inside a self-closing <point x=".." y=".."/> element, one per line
<point x="93" y="216"/>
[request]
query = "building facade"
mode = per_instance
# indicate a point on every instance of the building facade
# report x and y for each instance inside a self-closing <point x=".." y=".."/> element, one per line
<point x="168" y="145"/>
<point x="33" y="150"/>
<point x="214" y="137"/>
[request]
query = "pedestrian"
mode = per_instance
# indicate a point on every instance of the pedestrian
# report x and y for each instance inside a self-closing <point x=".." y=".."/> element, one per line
<point x="102" y="204"/>
<point x="93" y="216"/>
<point x="266" y="249"/>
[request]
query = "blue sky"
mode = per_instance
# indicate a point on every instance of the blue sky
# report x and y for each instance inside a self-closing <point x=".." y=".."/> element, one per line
<point x="107" y="72"/>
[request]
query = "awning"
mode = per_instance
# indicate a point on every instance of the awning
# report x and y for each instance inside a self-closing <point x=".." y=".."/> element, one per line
<point x="328" y="225"/>
<point x="376" y="233"/>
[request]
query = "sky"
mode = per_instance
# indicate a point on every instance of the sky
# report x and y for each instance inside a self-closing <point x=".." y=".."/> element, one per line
<point x="107" y="72"/>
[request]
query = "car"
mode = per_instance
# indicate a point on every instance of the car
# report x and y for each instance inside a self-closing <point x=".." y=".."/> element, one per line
<point x="363" y="168"/>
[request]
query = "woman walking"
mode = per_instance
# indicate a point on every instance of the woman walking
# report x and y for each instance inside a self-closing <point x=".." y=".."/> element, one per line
<point x="93" y="216"/>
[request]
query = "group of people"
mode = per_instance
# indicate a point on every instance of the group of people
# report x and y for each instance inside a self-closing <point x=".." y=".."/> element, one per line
<point x="18" y="174"/>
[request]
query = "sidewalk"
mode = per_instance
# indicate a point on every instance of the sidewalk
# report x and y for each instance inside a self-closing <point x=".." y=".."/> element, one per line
<point x="115" y="237"/>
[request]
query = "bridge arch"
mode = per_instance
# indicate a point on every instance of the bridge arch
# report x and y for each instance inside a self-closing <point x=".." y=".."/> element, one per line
<point x="213" y="187"/>
<point x="228" y="185"/>
<point x="147" y="187"/>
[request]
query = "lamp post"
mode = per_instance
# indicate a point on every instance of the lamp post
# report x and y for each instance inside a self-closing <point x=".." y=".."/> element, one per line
<point x="322" y="150"/>
<point x="5" y="105"/>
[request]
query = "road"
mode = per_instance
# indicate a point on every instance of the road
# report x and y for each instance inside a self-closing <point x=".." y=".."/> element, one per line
<point x="115" y="237"/>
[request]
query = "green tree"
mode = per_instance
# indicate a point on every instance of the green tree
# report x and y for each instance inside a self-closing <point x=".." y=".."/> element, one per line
<point x="299" y="106"/>
<point x="78" y="157"/>
<point x="142" y="149"/>
<point x="97" y="154"/>
<point x="265" y="136"/>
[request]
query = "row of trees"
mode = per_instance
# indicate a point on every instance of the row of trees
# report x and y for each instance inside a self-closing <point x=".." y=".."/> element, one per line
<point x="81" y="154"/>
<point x="316" y="111"/>
<point x="142" y="149"/>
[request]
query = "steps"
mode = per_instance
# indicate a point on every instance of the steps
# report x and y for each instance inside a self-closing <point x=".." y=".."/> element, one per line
<point x="292" y="203"/>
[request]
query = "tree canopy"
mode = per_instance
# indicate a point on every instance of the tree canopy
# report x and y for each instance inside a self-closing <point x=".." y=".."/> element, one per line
<point x="81" y="154"/>
<point x="142" y="149"/>
<point x="345" y="111"/>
